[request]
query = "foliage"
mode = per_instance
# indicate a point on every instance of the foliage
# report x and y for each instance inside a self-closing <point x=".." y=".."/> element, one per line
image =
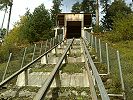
<point x="4" y="4"/>
<point x="3" y="32"/>
<point x="76" y="8"/>
<point x="37" y="26"/>
<point x="122" y="29"/>
<point x="87" y="6"/>
<point x="31" y="28"/>
<point x="118" y="7"/>
<point x="55" y="10"/>
<point x="105" y="5"/>
<point x="97" y="29"/>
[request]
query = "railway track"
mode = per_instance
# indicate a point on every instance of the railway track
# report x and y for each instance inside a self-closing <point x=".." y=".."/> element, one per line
<point x="65" y="72"/>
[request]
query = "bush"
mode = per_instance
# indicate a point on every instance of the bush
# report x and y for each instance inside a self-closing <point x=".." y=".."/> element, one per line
<point x="122" y="29"/>
<point x="97" y="29"/>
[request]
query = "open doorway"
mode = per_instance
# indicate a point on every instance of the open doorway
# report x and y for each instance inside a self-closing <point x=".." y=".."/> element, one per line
<point x="73" y="29"/>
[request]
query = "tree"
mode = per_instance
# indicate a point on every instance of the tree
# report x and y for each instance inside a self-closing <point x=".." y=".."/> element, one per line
<point x="122" y="29"/>
<point x="88" y="6"/>
<point x="5" y="4"/>
<point x="76" y="8"/>
<point x="36" y="26"/>
<point x="105" y="5"/>
<point x="114" y="12"/>
<point x="3" y="32"/>
<point x="55" y="10"/>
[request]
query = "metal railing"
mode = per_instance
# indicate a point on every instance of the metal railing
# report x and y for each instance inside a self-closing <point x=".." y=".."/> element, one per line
<point x="44" y="89"/>
<point x="26" y="66"/>
<point x="98" y="79"/>
<point x="112" y="62"/>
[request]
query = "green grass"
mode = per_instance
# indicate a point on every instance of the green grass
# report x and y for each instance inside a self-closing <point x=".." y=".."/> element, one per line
<point x="126" y="55"/>
<point x="73" y="68"/>
<point x="70" y="93"/>
<point x="12" y="68"/>
<point x="44" y="68"/>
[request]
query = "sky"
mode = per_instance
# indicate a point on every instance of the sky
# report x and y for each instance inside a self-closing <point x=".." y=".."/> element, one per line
<point x="19" y="8"/>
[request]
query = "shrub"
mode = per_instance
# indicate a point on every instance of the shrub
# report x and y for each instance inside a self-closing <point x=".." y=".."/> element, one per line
<point x="97" y="29"/>
<point x="122" y="29"/>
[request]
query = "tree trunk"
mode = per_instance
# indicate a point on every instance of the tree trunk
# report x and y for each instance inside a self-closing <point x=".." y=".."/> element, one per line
<point x="97" y="13"/>
<point x="9" y="17"/>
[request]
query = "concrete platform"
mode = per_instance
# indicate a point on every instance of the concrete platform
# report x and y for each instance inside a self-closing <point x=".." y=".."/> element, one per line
<point x="67" y="80"/>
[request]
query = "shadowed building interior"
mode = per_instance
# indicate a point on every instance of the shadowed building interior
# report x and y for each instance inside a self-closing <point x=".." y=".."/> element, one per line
<point x="73" y="24"/>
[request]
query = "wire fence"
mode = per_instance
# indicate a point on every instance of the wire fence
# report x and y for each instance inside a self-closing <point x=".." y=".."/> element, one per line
<point x="16" y="60"/>
<point x="127" y="69"/>
<point x="109" y="61"/>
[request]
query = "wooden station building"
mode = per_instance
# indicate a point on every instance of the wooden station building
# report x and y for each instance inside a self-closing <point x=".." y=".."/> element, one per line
<point x="73" y="24"/>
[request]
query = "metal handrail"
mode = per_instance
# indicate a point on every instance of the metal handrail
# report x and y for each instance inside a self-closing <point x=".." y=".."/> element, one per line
<point x="43" y="90"/>
<point x="92" y="87"/>
<point x="26" y="66"/>
<point x="100" y="84"/>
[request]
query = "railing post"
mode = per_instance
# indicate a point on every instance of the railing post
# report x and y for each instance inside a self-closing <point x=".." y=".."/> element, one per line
<point x="81" y="46"/>
<point x="100" y="51"/>
<point x="58" y="38"/>
<point x="57" y="79"/>
<point x="89" y="37"/>
<point x="41" y="49"/>
<point x="7" y="66"/>
<point x="107" y="56"/>
<point x="44" y="59"/>
<point x="23" y="57"/>
<point x="53" y="41"/>
<point x="96" y="44"/>
<point x="91" y="40"/>
<point x="50" y="42"/>
<point x="65" y="59"/>
<point x="26" y="77"/>
<point x="54" y="51"/>
<point x="120" y="72"/>
<point x="46" y="45"/>
<point x="22" y="79"/>
<point x="34" y="52"/>
<point x="69" y="51"/>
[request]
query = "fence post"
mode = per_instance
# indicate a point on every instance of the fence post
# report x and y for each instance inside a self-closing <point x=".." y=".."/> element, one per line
<point x="107" y="56"/>
<point x="23" y="57"/>
<point x="120" y="72"/>
<point x="89" y="37"/>
<point x="34" y="52"/>
<point x="100" y="51"/>
<point x="92" y="40"/>
<point x="96" y="44"/>
<point x="44" y="59"/>
<point x="7" y="66"/>
<point x="53" y="41"/>
<point x="50" y="42"/>
<point x="41" y="49"/>
<point x="57" y="79"/>
<point x="46" y="46"/>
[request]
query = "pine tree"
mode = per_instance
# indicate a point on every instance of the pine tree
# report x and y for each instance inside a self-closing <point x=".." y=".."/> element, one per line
<point x="55" y="10"/>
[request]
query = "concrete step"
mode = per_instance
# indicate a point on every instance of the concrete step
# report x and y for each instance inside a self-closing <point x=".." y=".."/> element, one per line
<point x="67" y="80"/>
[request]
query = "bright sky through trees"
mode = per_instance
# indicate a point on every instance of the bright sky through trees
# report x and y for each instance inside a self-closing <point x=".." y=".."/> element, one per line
<point x="19" y="8"/>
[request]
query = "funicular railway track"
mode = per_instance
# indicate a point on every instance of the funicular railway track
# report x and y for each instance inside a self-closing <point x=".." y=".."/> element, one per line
<point x="67" y="90"/>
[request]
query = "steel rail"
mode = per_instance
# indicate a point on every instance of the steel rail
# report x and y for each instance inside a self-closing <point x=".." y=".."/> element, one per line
<point x="26" y="66"/>
<point x="43" y="90"/>
<point x="100" y="84"/>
